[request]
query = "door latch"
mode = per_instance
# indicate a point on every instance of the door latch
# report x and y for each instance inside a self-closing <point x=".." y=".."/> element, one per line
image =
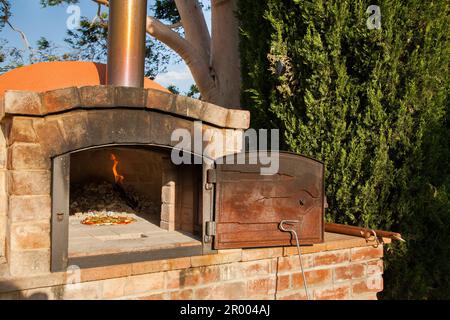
<point x="60" y="216"/>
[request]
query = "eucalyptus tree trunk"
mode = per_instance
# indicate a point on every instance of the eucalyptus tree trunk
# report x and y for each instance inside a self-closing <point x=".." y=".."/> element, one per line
<point x="225" y="60"/>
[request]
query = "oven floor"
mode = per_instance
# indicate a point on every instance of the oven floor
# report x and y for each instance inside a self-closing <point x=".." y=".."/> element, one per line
<point x="142" y="235"/>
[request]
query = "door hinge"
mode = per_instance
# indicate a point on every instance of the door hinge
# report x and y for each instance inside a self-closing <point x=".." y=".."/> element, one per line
<point x="210" y="228"/>
<point x="211" y="178"/>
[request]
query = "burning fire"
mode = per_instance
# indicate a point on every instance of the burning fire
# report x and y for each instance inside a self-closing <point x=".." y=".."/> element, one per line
<point x="117" y="177"/>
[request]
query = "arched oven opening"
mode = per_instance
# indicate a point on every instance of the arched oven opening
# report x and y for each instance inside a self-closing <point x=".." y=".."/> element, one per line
<point x="128" y="199"/>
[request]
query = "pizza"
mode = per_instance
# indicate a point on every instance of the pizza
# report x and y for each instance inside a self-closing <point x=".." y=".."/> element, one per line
<point x="105" y="220"/>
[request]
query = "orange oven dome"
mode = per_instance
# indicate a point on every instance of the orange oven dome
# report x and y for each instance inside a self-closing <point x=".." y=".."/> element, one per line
<point x="45" y="76"/>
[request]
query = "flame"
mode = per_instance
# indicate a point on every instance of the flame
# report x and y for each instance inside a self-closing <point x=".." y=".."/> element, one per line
<point x="117" y="177"/>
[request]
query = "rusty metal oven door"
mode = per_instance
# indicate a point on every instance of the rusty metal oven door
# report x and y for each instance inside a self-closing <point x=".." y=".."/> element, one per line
<point x="249" y="206"/>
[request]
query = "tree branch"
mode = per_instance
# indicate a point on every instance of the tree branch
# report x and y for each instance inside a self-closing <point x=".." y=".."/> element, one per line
<point x="195" y="27"/>
<point x="22" y="34"/>
<point x="175" y="25"/>
<point x="198" y="66"/>
<point x="102" y="2"/>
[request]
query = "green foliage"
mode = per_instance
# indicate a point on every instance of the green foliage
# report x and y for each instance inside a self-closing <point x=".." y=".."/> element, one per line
<point x="166" y="10"/>
<point x="4" y="12"/>
<point x="89" y="41"/>
<point x="46" y="51"/>
<point x="193" y="92"/>
<point x="173" y="88"/>
<point x="4" y="15"/>
<point x="51" y="3"/>
<point x="371" y="104"/>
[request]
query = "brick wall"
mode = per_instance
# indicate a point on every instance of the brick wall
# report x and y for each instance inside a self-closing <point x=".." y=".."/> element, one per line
<point x="3" y="194"/>
<point x="270" y="273"/>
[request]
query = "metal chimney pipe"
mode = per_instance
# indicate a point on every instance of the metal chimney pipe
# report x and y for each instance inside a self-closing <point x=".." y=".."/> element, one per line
<point x="126" y="43"/>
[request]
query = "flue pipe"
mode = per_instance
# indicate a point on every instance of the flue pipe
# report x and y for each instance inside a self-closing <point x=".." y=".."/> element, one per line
<point x="126" y="43"/>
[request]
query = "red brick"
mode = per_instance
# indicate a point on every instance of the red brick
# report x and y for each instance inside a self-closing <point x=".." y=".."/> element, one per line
<point x="160" y="265"/>
<point x="155" y="296"/>
<point x="371" y="284"/>
<point x="313" y="277"/>
<point x="260" y="287"/>
<point x="366" y="253"/>
<point x="222" y="291"/>
<point x="82" y="291"/>
<point x="220" y="258"/>
<point x="286" y="264"/>
<point x="331" y="257"/>
<point x="182" y="295"/>
<point x="143" y="283"/>
<point x="367" y="296"/>
<point x="340" y="292"/>
<point x="173" y="279"/>
<point x="352" y="271"/>
<point x="113" y="288"/>
<point x="192" y="277"/>
<point x="375" y="267"/>
<point x="107" y="272"/>
<point x="245" y="269"/>
<point x="283" y="282"/>
<point x="299" y="295"/>
<point x="259" y="254"/>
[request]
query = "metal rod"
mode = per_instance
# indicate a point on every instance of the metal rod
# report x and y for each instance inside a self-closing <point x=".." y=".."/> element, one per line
<point x="360" y="231"/>
<point x="126" y="43"/>
<point x="283" y="228"/>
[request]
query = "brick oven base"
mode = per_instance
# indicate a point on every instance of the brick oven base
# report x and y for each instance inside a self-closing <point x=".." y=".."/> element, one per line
<point x="343" y="267"/>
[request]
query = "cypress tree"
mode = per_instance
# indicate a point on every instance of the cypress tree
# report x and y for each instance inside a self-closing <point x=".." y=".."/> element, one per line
<point x="372" y="104"/>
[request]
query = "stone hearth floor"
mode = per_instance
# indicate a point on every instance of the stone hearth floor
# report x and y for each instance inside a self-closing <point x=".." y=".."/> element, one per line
<point x="142" y="235"/>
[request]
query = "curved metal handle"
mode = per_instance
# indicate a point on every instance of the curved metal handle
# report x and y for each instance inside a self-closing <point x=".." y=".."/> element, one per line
<point x="290" y="222"/>
<point x="294" y="233"/>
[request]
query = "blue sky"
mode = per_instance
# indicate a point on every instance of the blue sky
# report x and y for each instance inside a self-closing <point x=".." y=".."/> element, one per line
<point x="50" y="22"/>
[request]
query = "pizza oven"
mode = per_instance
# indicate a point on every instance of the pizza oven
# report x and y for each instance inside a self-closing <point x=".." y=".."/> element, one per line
<point x="178" y="210"/>
<point x="97" y="161"/>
